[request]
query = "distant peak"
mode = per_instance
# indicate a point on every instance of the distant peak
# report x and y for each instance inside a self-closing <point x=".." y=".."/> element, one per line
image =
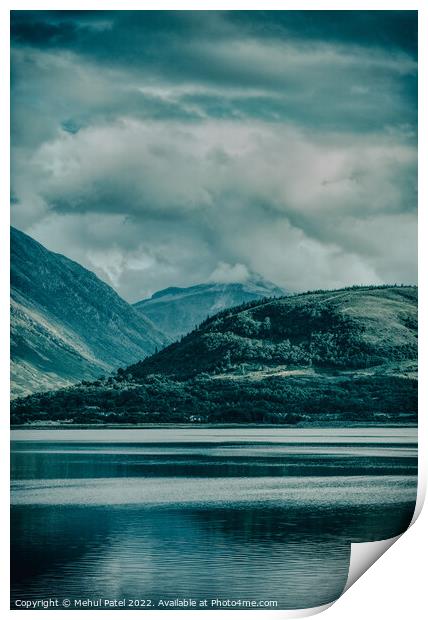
<point x="170" y="290"/>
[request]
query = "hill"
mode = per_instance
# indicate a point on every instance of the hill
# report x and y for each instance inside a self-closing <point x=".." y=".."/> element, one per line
<point x="66" y="324"/>
<point x="354" y="328"/>
<point x="176" y="311"/>
<point x="326" y="356"/>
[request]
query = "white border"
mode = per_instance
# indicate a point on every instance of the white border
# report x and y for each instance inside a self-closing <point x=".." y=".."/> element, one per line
<point x="395" y="586"/>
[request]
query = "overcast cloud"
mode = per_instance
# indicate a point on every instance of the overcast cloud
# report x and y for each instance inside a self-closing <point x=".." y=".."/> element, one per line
<point x="162" y="149"/>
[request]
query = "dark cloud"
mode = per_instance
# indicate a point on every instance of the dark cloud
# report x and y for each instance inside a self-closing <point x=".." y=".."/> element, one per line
<point x="126" y="30"/>
<point x="323" y="69"/>
<point x="390" y="29"/>
<point x="160" y="148"/>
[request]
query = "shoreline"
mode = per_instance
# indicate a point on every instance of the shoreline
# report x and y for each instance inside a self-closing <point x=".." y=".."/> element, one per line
<point x="168" y="425"/>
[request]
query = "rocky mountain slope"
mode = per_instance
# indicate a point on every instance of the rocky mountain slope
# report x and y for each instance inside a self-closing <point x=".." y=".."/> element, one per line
<point x="66" y="324"/>
<point x="320" y="357"/>
<point x="176" y="311"/>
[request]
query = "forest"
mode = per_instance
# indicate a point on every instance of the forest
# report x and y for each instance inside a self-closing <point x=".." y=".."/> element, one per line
<point x="346" y="355"/>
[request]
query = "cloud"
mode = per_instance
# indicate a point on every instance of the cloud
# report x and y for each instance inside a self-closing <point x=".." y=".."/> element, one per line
<point x="295" y="208"/>
<point x="169" y="148"/>
<point x="226" y="273"/>
<point x="190" y="68"/>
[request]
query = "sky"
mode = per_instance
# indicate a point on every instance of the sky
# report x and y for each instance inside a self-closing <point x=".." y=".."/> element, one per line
<point x="165" y="148"/>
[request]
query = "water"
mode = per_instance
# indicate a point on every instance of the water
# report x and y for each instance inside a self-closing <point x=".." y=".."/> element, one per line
<point x="204" y="513"/>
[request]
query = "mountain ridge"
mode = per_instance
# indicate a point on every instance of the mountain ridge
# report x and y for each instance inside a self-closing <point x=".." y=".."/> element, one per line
<point x="319" y="357"/>
<point x="178" y="310"/>
<point x="326" y="319"/>
<point x="66" y="324"/>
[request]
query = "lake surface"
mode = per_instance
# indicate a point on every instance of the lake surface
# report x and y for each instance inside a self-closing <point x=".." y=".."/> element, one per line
<point x="258" y="514"/>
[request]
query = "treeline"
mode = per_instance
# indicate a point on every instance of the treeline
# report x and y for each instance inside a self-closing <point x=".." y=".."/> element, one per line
<point x="204" y="399"/>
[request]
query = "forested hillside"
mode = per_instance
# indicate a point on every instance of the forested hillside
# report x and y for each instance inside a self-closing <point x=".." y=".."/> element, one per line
<point x="354" y="328"/>
<point x="342" y="355"/>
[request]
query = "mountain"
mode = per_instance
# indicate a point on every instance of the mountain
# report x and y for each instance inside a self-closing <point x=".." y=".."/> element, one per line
<point x="176" y="311"/>
<point x="66" y="324"/>
<point x="322" y="357"/>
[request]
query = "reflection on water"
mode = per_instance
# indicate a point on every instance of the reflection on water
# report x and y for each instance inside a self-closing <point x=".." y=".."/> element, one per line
<point x="205" y="513"/>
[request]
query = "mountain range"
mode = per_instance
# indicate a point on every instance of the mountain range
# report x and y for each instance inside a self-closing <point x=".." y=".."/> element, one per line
<point x="177" y="311"/>
<point x="321" y="357"/>
<point x="66" y="324"/>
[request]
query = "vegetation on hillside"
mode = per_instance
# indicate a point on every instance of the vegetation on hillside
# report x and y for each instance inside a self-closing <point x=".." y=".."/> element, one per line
<point x="329" y="355"/>
<point x="337" y="329"/>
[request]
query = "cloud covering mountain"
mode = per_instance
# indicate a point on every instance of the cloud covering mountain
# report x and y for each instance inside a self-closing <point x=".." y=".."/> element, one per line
<point x="156" y="148"/>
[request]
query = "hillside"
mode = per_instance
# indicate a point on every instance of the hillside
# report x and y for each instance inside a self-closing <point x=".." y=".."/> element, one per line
<point x="344" y="329"/>
<point x="66" y="324"/>
<point x="176" y="311"/>
<point x="328" y="356"/>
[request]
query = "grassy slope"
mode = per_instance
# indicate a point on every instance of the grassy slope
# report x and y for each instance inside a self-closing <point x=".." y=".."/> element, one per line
<point x="346" y="328"/>
<point x="66" y="324"/>
<point x="338" y="355"/>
